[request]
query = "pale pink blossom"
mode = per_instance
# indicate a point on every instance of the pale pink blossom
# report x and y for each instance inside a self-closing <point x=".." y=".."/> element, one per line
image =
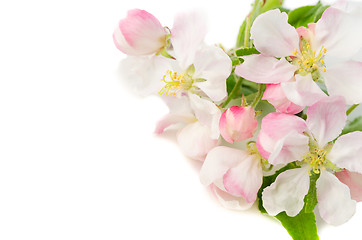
<point x="198" y="122"/>
<point x="140" y="33"/>
<point x="235" y="173"/>
<point x="274" y="94"/>
<point x="299" y="58"/>
<point x="286" y="138"/>
<point x="238" y="123"/>
<point x="197" y="68"/>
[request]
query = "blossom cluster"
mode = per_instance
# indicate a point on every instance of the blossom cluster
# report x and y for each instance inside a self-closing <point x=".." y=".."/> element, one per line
<point x="275" y="106"/>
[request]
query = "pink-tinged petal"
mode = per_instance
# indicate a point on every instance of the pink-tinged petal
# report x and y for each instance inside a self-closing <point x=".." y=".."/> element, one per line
<point x="195" y="141"/>
<point x="282" y="138"/>
<point x="344" y="79"/>
<point x="187" y="34"/>
<point x="245" y="179"/>
<point x="338" y="31"/>
<point x="303" y="91"/>
<point x="140" y="33"/>
<point x="238" y="123"/>
<point x="121" y="43"/>
<point x="326" y="119"/>
<point x="218" y="161"/>
<point x="334" y="199"/>
<point x="353" y="181"/>
<point x="287" y="192"/>
<point x="207" y="113"/>
<point x="214" y="66"/>
<point x="347" y="152"/>
<point x="229" y="201"/>
<point x="264" y="142"/>
<point x="263" y="69"/>
<point x="273" y="35"/>
<point x="278" y="125"/>
<point x="307" y="33"/>
<point x="274" y="94"/>
<point x="290" y="148"/>
<point x="142" y="74"/>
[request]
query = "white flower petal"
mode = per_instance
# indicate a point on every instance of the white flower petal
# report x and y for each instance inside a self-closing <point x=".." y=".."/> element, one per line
<point x="245" y="179"/>
<point x="218" y="161"/>
<point x="207" y="113"/>
<point x="187" y="34"/>
<point x="229" y="201"/>
<point x="304" y="91"/>
<point x="142" y="75"/>
<point x="287" y="192"/>
<point x="195" y="141"/>
<point x="290" y="148"/>
<point x="347" y="152"/>
<point x="326" y="119"/>
<point x="339" y="32"/>
<point x="273" y="35"/>
<point x="344" y="79"/>
<point x="334" y="200"/>
<point x="212" y="64"/>
<point x="263" y="69"/>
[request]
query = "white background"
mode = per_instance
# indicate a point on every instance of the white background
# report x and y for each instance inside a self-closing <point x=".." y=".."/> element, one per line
<point x="78" y="157"/>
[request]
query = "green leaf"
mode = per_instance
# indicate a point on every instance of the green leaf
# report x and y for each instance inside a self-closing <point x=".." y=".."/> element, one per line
<point x="310" y="199"/>
<point x="303" y="15"/>
<point x="301" y="227"/>
<point x="270" y="4"/>
<point x="235" y="60"/>
<point x="247" y="88"/>
<point x="246" y="51"/>
<point x="230" y="83"/>
<point x="283" y="9"/>
<point x="241" y="35"/>
<point x="355" y="125"/>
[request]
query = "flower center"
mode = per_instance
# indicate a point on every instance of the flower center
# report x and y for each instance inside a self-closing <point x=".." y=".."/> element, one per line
<point x="175" y="82"/>
<point x="309" y="61"/>
<point x="316" y="160"/>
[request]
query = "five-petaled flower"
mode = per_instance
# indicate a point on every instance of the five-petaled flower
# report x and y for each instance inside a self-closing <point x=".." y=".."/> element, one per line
<point x="287" y="138"/>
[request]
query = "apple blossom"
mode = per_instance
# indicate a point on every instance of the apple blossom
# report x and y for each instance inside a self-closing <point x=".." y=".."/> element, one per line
<point x="322" y="52"/>
<point x="237" y="123"/>
<point x="198" y="68"/>
<point x="140" y="33"/>
<point x="199" y="119"/>
<point x="236" y="172"/>
<point x="285" y="138"/>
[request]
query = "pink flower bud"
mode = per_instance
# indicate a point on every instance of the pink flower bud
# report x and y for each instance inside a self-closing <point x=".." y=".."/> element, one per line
<point x="140" y="33"/>
<point x="238" y="123"/>
<point x="275" y="96"/>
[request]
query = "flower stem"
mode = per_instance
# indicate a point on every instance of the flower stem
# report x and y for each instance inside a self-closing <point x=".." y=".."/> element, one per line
<point x="259" y="95"/>
<point x="234" y="91"/>
<point x="351" y="109"/>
